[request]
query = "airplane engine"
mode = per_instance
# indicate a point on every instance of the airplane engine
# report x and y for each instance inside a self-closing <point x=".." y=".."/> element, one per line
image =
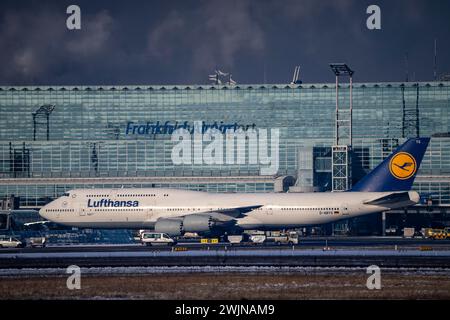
<point x="197" y="223"/>
<point x="173" y="227"/>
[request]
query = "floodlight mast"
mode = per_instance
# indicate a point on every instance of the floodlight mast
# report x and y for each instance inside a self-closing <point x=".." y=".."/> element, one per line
<point x="342" y="70"/>
<point x="43" y="111"/>
<point x="341" y="150"/>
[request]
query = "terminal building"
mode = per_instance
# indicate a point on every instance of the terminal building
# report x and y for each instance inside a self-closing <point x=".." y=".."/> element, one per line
<point x="55" y="138"/>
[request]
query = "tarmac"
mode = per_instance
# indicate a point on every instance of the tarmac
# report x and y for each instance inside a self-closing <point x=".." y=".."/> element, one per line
<point x="323" y="252"/>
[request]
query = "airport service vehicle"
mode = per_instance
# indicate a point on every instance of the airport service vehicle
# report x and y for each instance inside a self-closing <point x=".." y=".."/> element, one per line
<point x="392" y="230"/>
<point x="261" y="237"/>
<point x="279" y="238"/>
<point x="235" y="239"/>
<point x="437" y="233"/>
<point x="156" y="238"/>
<point x="257" y="238"/>
<point x="190" y="235"/>
<point x="409" y="232"/>
<point x="37" y="242"/>
<point x="10" y="242"/>
<point x="138" y="235"/>
<point x="176" y="212"/>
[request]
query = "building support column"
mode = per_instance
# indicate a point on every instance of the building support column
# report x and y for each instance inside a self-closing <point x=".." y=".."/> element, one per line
<point x="383" y="223"/>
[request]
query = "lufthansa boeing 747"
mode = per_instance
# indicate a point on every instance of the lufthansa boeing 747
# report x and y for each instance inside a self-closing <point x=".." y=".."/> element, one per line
<point x="175" y="212"/>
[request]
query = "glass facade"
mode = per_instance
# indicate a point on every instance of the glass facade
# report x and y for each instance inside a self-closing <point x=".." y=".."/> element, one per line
<point x="57" y="138"/>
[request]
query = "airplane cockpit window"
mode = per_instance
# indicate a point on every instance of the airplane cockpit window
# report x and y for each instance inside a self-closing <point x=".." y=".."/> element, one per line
<point x="66" y="194"/>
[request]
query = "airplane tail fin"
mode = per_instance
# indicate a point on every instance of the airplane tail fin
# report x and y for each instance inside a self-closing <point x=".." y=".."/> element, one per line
<point x="398" y="171"/>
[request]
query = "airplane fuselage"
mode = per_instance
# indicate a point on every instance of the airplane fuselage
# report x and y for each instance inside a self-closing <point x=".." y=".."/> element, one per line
<point x="141" y="208"/>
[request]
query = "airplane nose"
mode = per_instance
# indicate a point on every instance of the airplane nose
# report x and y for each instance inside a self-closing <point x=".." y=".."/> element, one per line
<point x="43" y="212"/>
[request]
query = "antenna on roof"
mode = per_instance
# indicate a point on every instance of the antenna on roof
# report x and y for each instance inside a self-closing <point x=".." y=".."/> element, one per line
<point x="296" y="76"/>
<point x="406" y="67"/>
<point x="265" y="75"/>
<point x="435" y="60"/>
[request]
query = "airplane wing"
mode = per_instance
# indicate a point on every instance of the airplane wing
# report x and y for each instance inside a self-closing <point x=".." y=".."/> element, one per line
<point x="237" y="212"/>
<point x="229" y="213"/>
<point x="224" y="215"/>
<point x="36" y="223"/>
<point x="215" y="218"/>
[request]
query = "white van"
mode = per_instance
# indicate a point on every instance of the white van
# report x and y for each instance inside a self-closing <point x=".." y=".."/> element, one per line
<point x="156" y="238"/>
<point x="235" y="239"/>
<point x="10" y="242"/>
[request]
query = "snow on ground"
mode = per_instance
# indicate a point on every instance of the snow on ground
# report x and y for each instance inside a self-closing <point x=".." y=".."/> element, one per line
<point x="213" y="269"/>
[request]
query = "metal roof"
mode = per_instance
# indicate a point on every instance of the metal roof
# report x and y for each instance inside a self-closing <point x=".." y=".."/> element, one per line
<point x="222" y="87"/>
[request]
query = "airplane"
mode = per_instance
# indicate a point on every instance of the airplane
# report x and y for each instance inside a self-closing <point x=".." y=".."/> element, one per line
<point x="175" y="212"/>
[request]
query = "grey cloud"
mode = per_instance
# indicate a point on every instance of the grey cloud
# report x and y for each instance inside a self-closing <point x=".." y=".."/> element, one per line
<point x="21" y="37"/>
<point x="94" y="36"/>
<point x="213" y="34"/>
<point x="232" y="26"/>
<point x="37" y="43"/>
<point x="161" y="38"/>
<point x="182" y="41"/>
<point x="309" y="10"/>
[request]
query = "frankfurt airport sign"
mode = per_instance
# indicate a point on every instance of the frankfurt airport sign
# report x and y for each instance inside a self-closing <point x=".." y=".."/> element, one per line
<point x="168" y="127"/>
<point x="216" y="143"/>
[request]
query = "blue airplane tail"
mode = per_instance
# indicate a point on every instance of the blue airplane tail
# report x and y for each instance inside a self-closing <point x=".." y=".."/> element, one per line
<point x="398" y="171"/>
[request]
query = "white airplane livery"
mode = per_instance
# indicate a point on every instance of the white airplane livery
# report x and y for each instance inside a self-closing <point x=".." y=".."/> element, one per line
<point x="175" y="211"/>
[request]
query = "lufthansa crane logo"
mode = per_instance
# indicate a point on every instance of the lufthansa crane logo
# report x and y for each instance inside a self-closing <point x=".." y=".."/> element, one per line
<point x="403" y="165"/>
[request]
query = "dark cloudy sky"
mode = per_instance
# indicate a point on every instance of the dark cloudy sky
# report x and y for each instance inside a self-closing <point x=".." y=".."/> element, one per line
<point x="182" y="41"/>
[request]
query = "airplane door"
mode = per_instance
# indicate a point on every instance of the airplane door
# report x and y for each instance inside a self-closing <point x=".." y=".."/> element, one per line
<point x="344" y="209"/>
<point x="150" y="208"/>
<point x="78" y="205"/>
<point x="150" y="213"/>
